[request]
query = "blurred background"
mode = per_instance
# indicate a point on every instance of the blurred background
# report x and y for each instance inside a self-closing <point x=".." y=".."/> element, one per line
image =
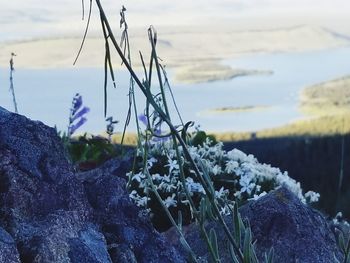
<point x="271" y="77"/>
<point x="257" y="55"/>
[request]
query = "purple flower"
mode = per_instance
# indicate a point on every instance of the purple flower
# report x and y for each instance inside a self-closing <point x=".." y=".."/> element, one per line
<point x="77" y="102"/>
<point x="110" y="125"/>
<point x="157" y="131"/>
<point x="77" y="114"/>
<point x="72" y="128"/>
<point x="143" y="119"/>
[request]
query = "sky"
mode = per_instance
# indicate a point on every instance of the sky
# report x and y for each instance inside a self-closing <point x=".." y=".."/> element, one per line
<point x="38" y="18"/>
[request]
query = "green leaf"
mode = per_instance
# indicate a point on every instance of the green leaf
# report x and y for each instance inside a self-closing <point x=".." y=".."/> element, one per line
<point x="209" y="209"/>
<point x="253" y="254"/>
<point x="214" y="243"/>
<point x="233" y="254"/>
<point x="237" y="225"/>
<point x="270" y="256"/>
<point x="336" y="260"/>
<point x="185" y="244"/>
<point x="342" y="242"/>
<point x="179" y="219"/>
<point x="184" y="130"/>
<point x="84" y="154"/>
<point x="246" y="246"/>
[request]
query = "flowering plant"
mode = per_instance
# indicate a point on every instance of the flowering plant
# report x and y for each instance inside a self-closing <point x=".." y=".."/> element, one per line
<point x="77" y="114"/>
<point x="86" y="151"/>
<point x="235" y="176"/>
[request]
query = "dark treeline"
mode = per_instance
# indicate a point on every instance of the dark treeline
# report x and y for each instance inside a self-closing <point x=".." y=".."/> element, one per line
<point x="313" y="161"/>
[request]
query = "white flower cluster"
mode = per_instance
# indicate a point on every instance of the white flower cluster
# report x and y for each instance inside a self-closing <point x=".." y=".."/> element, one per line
<point x="339" y="219"/>
<point x="236" y="176"/>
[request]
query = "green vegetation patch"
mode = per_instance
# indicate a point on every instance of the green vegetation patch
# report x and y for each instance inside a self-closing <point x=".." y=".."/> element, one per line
<point x="327" y="97"/>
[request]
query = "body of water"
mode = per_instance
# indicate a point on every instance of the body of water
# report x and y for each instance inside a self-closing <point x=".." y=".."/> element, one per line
<point x="46" y="95"/>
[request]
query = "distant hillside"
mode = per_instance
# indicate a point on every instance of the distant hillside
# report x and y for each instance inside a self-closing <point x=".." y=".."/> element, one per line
<point x="191" y="49"/>
<point x="328" y="97"/>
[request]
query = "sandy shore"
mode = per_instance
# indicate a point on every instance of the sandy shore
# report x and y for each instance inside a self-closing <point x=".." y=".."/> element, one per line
<point x="209" y="72"/>
<point x="249" y="108"/>
<point x="193" y="53"/>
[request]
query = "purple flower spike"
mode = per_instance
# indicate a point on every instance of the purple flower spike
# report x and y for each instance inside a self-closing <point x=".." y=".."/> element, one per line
<point x="79" y="114"/>
<point x="77" y="102"/>
<point x="143" y="119"/>
<point x="74" y="127"/>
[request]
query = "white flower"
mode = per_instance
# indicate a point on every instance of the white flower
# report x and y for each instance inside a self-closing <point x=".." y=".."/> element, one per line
<point x="194" y="187"/>
<point x="157" y="177"/>
<point x="166" y="178"/>
<point x="238" y="194"/>
<point x="231" y="166"/>
<point x="165" y="183"/>
<point x="225" y="211"/>
<point x="256" y="197"/>
<point x="221" y="193"/>
<point x="171" y="153"/>
<point x="208" y="141"/>
<point x="133" y="194"/>
<point x="166" y="187"/>
<point x="193" y="152"/>
<point x="338" y="219"/>
<point x="139" y="177"/>
<point x="236" y="155"/>
<point x="172" y="164"/>
<point x="258" y="188"/>
<point x="170" y="201"/>
<point x="144" y="184"/>
<point x="140" y="201"/>
<point x="246" y="184"/>
<point x="339" y="215"/>
<point x="216" y="169"/>
<point x="312" y="197"/>
<point x="150" y="162"/>
<point x="247" y="173"/>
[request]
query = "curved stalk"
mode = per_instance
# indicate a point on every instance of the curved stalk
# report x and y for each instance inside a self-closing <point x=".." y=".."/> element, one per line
<point x="166" y="118"/>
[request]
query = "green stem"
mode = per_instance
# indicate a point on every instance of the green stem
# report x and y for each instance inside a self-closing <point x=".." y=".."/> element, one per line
<point x="165" y="208"/>
<point x="172" y="129"/>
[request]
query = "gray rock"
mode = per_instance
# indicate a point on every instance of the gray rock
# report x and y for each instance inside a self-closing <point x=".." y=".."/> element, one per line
<point x="55" y="215"/>
<point x="128" y="230"/>
<point x="297" y="232"/>
<point x="42" y="204"/>
<point x="62" y="237"/>
<point x="8" y="249"/>
<point x="36" y="177"/>
<point x="122" y="254"/>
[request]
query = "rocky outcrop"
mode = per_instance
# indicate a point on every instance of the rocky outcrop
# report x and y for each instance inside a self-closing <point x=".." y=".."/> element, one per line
<point x="297" y="232"/>
<point x="280" y="220"/>
<point x="50" y="214"/>
<point x="127" y="229"/>
<point x="8" y="249"/>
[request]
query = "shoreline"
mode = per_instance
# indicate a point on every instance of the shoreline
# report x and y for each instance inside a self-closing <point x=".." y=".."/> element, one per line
<point x="227" y="110"/>
<point x="320" y="119"/>
<point x="190" y="53"/>
<point x="326" y="110"/>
